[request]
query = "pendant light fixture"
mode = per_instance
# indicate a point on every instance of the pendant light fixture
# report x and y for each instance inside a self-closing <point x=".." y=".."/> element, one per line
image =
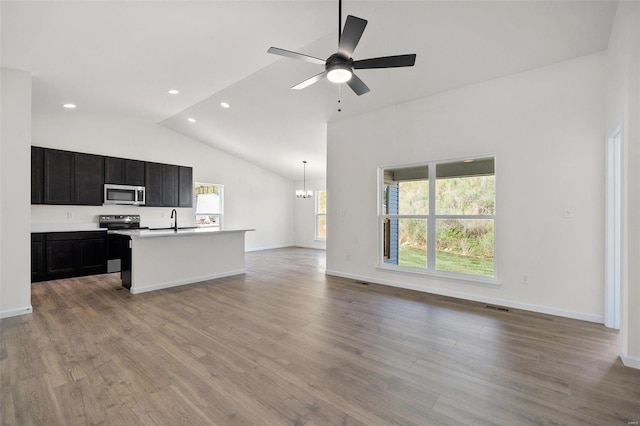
<point x="304" y="193"/>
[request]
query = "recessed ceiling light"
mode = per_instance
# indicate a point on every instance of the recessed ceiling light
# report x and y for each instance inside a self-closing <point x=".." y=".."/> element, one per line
<point x="174" y="92"/>
<point x="224" y="105"/>
<point x="69" y="106"/>
<point x="468" y="161"/>
<point x="191" y="120"/>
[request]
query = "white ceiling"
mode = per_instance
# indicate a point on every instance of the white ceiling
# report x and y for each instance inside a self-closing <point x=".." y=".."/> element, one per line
<point x="121" y="58"/>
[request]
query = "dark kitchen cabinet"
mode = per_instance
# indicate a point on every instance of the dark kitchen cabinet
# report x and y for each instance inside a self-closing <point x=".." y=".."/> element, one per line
<point x="74" y="178"/>
<point x="89" y="179"/>
<point x="37" y="257"/>
<point x="168" y="185"/>
<point x="125" y="258"/>
<point x="60" y="258"/>
<point x="37" y="175"/>
<point x="185" y="182"/>
<point x="123" y="171"/>
<point x="170" y="176"/>
<point x="71" y="254"/>
<point x="134" y="172"/>
<point x="92" y="254"/>
<point x="59" y="177"/>
<point x="153" y="184"/>
<point x="70" y="177"/>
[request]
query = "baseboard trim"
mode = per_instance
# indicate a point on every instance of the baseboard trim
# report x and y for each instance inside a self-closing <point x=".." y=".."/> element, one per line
<point x="16" y="312"/>
<point x="310" y="247"/>
<point x="482" y="299"/>
<point x="630" y="361"/>
<point x="170" y="284"/>
<point x="267" y="248"/>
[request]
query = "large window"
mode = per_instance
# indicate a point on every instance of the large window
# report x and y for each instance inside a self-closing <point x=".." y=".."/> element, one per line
<point x="321" y="214"/>
<point x="209" y="205"/>
<point x="439" y="217"/>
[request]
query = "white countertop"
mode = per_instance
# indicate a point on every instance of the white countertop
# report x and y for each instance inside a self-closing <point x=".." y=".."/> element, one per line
<point x="146" y="233"/>
<point x="65" y="227"/>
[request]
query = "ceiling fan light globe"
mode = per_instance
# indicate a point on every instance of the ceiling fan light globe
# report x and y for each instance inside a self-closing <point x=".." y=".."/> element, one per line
<point x="339" y="75"/>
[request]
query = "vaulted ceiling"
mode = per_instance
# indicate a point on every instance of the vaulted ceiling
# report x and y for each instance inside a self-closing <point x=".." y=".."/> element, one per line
<point x="121" y="58"/>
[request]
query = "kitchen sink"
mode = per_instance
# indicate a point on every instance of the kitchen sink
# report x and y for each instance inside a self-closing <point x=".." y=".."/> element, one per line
<point x="171" y="228"/>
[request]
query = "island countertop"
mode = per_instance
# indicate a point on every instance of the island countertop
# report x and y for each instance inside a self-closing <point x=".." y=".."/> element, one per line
<point x="184" y="232"/>
<point x="158" y="259"/>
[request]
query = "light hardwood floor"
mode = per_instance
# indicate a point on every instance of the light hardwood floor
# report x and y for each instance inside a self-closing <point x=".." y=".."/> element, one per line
<point x="284" y="344"/>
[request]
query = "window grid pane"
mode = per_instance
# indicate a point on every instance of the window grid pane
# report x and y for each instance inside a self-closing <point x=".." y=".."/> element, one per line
<point x="460" y="236"/>
<point x="321" y="227"/>
<point x="465" y="246"/>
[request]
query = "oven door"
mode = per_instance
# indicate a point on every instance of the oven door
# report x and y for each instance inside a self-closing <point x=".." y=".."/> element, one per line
<point x="124" y="194"/>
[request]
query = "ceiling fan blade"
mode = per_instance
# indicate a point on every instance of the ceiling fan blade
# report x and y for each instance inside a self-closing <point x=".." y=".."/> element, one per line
<point x="296" y="55"/>
<point x="386" y="62"/>
<point x="357" y="85"/>
<point x="353" y="29"/>
<point x="308" y="82"/>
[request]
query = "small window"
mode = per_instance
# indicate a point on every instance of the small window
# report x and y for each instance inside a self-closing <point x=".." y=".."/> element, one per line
<point x="321" y="214"/>
<point x="440" y="217"/>
<point x="209" y="204"/>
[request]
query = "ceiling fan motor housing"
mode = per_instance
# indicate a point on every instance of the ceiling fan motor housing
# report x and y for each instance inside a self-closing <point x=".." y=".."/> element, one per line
<point x="337" y="61"/>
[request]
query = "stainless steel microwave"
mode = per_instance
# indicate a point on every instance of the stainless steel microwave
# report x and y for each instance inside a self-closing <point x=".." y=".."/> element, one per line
<point x="124" y="194"/>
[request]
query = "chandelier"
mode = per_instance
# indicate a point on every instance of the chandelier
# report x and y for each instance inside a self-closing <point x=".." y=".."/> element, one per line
<point x="304" y="193"/>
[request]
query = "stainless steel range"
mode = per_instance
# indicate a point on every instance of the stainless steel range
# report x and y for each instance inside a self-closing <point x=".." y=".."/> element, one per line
<point x="117" y="222"/>
<point x="120" y="221"/>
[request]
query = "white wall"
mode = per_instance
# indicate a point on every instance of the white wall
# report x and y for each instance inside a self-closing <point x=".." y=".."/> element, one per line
<point x="305" y="217"/>
<point x="623" y="97"/>
<point x="546" y="129"/>
<point x="254" y="197"/>
<point x="15" y="181"/>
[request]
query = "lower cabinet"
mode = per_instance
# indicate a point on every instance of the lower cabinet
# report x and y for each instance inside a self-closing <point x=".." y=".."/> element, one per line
<point x="125" y="256"/>
<point x="37" y="257"/>
<point x="57" y="255"/>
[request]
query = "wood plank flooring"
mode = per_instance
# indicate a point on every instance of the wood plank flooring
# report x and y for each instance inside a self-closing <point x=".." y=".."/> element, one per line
<point x="285" y="344"/>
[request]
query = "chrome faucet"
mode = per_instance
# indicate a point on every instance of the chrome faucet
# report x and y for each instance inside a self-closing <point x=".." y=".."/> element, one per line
<point x="175" y="224"/>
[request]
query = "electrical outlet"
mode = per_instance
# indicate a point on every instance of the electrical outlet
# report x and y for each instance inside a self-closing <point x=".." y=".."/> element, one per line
<point x="347" y="258"/>
<point x="69" y="215"/>
<point x="525" y="279"/>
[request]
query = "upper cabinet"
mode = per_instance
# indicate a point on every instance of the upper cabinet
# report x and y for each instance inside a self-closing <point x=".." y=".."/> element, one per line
<point x="185" y="191"/>
<point x="153" y="186"/>
<point x="68" y="178"/>
<point x="59" y="177"/>
<point x="168" y="185"/>
<point x="123" y="171"/>
<point x="89" y="179"/>
<point x="37" y="175"/>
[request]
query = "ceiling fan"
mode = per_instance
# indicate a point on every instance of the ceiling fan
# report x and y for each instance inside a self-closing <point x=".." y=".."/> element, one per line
<point x="339" y="66"/>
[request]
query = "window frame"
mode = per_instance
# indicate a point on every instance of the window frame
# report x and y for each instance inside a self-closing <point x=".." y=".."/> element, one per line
<point x="317" y="214"/>
<point x="432" y="218"/>
<point x="220" y="215"/>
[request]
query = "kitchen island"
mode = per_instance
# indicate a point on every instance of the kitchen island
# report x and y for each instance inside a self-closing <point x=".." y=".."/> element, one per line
<point x="158" y="259"/>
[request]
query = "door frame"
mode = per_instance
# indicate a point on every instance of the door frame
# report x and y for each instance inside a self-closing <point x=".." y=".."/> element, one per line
<point x="614" y="204"/>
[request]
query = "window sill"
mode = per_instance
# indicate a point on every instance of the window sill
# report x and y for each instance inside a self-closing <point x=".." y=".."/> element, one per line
<point x="320" y="240"/>
<point x="461" y="278"/>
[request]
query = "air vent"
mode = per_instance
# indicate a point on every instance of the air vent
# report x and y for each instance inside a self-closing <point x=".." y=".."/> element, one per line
<point x="497" y="308"/>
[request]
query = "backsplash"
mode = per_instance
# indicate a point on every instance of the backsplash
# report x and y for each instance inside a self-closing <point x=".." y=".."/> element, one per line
<point x="69" y="217"/>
